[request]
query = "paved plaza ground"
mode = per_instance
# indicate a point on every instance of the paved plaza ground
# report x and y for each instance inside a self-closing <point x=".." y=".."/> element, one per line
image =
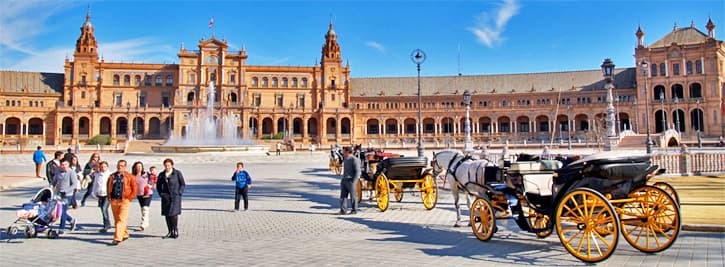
<point x="293" y="221"/>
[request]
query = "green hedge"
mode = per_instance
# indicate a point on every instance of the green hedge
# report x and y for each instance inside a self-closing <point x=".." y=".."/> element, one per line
<point x="278" y="136"/>
<point x="100" y="140"/>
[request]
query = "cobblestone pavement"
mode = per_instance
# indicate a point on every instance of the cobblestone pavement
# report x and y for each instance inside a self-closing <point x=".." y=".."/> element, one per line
<point x="292" y="221"/>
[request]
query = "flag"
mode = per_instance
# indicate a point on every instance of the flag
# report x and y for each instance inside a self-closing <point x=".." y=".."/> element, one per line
<point x="211" y="22"/>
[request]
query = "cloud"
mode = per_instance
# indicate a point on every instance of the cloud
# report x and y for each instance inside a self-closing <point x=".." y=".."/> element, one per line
<point x="22" y="21"/>
<point x="490" y="24"/>
<point x="376" y="46"/>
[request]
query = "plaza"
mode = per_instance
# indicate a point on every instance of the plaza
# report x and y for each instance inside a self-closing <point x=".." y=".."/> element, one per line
<point x="293" y="222"/>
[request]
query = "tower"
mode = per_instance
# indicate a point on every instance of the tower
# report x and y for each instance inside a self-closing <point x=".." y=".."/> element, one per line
<point x="83" y="74"/>
<point x="640" y="36"/>
<point x="333" y="83"/>
<point x="710" y="28"/>
<point x="86" y="45"/>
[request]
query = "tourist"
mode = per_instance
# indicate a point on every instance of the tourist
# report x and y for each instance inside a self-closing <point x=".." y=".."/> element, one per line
<point x="100" y="192"/>
<point x="279" y="148"/>
<point x="145" y="190"/>
<point x="68" y="155"/>
<point x="76" y="167"/>
<point x="348" y="183"/>
<point x="170" y="186"/>
<point x="64" y="183"/>
<point x="121" y="190"/>
<point x="38" y="159"/>
<point x="52" y="166"/>
<point x="87" y="182"/>
<point x="243" y="184"/>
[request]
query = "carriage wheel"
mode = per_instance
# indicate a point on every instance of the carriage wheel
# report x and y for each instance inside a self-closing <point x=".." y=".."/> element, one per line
<point x="651" y="221"/>
<point x="398" y="192"/>
<point x="359" y="190"/>
<point x="539" y="222"/>
<point x="669" y="189"/>
<point x="381" y="192"/>
<point x="483" y="221"/>
<point x="587" y="225"/>
<point x="428" y="192"/>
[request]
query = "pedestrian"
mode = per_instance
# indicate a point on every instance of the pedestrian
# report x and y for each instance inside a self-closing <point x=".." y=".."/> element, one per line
<point x="170" y="187"/>
<point x="88" y="171"/>
<point x="100" y="192"/>
<point x="243" y="182"/>
<point x="279" y="148"/>
<point x="145" y="190"/>
<point x="64" y="183"/>
<point x="68" y="155"/>
<point x="52" y="166"/>
<point x="76" y="167"/>
<point x="38" y="159"/>
<point x="348" y="183"/>
<point x="121" y="189"/>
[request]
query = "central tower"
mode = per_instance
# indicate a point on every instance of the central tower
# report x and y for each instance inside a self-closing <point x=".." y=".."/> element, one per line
<point x="335" y="77"/>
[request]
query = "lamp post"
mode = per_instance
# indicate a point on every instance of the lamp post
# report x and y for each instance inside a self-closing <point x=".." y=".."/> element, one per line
<point x="697" y="117"/>
<point x="608" y="71"/>
<point x="664" y="114"/>
<point x="569" y="130"/>
<point x="468" y="146"/>
<point x="418" y="57"/>
<point x="677" y="113"/>
<point x="644" y="67"/>
<point x="129" y="122"/>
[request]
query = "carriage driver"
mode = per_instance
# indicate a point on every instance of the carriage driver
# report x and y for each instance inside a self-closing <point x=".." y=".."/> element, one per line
<point x="350" y="177"/>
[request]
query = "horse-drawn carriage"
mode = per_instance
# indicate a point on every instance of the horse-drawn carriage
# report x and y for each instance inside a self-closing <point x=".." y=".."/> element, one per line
<point x="588" y="202"/>
<point x="336" y="161"/>
<point x="385" y="173"/>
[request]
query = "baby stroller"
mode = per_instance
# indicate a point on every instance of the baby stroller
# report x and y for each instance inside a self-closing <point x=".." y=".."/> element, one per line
<point x="38" y="215"/>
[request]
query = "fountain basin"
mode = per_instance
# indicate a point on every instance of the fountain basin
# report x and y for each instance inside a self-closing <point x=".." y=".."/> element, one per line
<point x="251" y="149"/>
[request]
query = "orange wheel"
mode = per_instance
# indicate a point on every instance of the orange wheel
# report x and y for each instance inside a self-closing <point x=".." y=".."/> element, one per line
<point x="651" y="221"/>
<point x="381" y="192"/>
<point x="587" y="225"/>
<point x="483" y="220"/>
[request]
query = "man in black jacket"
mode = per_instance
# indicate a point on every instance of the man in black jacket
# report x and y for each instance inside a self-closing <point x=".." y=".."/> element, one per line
<point x="52" y="166"/>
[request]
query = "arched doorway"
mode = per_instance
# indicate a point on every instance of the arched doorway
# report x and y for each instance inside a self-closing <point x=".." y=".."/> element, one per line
<point x="267" y="126"/>
<point x="331" y="127"/>
<point x="582" y="122"/>
<point x="233" y="97"/>
<point x="83" y="127"/>
<point x="373" y="126"/>
<point x="312" y="127"/>
<point x="659" y="93"/>
<point x="391" y="126"/>
<point x="345" y="126"/>
<point x="282" y="125"/>
<point x="447" y="125"/>
<point x="409" y="126"/>
<point x="522" y="123"/>
<point x="105" y="128"/>
<point x="253" y="126"/>
<point x="624" y="124"/>
<point x="678" y="120"/>
<point x="484" y="125"/>
<point x="542" y="123"/>
<point x="121" y="127"/>
<point x="677" y="91"/>
<point x="154" y="127"/>
<point x="35" y="126"/>
<point x="12" y="126"/>
<point x="429" y="126"/>
<point x="504" y="124"/>
<point x="697" y="120"/>
<point x="67" y="126"/>
<point x="138" y="127"/>
<point x="660" y="121"/>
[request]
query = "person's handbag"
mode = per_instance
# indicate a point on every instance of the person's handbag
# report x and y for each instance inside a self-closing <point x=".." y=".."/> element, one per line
<point x="86" y="181"/>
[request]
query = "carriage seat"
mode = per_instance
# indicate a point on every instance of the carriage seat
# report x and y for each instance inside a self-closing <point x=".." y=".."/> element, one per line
<point x="543" y="166"/>
<point x="539" y="184"/>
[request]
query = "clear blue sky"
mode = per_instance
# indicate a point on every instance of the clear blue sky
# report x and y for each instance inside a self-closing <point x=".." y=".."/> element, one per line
<point x="376" y="37"/>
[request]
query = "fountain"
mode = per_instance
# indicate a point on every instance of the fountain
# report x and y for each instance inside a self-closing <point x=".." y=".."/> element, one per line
<point x="207" y="133"/>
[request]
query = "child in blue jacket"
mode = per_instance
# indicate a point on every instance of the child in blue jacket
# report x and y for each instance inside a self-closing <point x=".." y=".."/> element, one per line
<point x="243" y="184"/>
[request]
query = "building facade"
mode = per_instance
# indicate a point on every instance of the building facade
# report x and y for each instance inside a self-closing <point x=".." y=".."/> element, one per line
<point x="321" y="104"/>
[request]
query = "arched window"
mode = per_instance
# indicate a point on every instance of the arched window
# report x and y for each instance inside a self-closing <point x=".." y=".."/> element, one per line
<point x="284" y="82"/>
<point x="274" y="82"/>
<point x="677" y="91"/>
<point x="304" y="83"/>
<point x="158" y="80"/>
<point x="233" y="97"/>
<point x="212" y="76"/>
<point x="294" y="82"/>
<point x="265" y="82"/>
<point x="169" y="80"/>
<point x="654" y="70"/>
<point x="116" y="80"/>
<point x="659" y="92"/>
<point x="190" y="97"/>
<point x="147" y="80"/>
<point x="698" y="67"/>
<point x="689" y="67"/>
<point x="695" y="90"/>
<point x="663" y="71"/>
<point x="126" y="80"/>
<point x="137" y="80"/>
<point x="192" y="77"/>
<point x="255" y="81"/>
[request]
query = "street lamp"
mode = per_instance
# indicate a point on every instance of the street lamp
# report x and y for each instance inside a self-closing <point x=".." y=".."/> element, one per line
<point x="608" y="71"/>
<point x="677" y="113"/>
<point x="664" y="114"/>
<point x="418" y="57"/>
<point x="699" y="130"/>
<point x="468" y="146"/>
<point x="569" y="130"/>
<point x="644" y="67"/>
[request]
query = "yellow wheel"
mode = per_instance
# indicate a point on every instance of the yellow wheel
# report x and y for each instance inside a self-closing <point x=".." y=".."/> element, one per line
<point x="669" y="189"/>
<point x="540" y="223"/>
<point x="587" y="225"/>
<point x="428" y="191"/>
<point x="359" y="190"/>
<point x="381" y="192"/>
<point x="398" y="192"/>
<point x="651" y="221"/>
<point x="483" y="221"/>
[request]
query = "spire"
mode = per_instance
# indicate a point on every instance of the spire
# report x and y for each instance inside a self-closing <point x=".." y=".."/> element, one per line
<point x="710" y="28"/>
<point x="331" y="50"/>
<point x="86" y="44"/>
<point x="640" y="36"/>
<point x="88" y="18"/>
<point x="675" y="28"/>
<point x="692" y="24"/>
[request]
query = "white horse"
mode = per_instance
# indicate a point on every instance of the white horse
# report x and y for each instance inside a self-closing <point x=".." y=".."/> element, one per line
<point x="463" y="174"/>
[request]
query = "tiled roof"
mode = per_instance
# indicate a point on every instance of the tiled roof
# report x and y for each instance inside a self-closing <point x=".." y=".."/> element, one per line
<point x="689" y="35"/>
<point x="492" y="84"/>
<point x="31" y="82"/>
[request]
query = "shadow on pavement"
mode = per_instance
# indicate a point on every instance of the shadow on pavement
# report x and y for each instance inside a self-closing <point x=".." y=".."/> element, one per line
<point x="511" y="250"/>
